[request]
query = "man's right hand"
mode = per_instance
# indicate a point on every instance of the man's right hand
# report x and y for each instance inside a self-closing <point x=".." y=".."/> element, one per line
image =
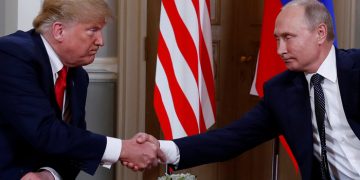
<point x="42" y="175"/>
<point x="141" y="152"/>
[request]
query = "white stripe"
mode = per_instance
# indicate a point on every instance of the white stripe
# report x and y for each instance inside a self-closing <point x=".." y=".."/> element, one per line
<point x="206" y="29"/>
<point x="205" y="23"/>
<point x="182" y="70"/>
<point x="206" y="105"/>
<point x="188" y="15"/>
<point x="253" y="90"/>
<point x="162" y="83"/>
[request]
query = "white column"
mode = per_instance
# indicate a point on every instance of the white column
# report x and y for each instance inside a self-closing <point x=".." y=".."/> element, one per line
<point x="19" y="14"/>
<point x="131" y="74"/>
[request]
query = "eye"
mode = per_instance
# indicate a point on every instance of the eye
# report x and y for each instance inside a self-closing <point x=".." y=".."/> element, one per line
<point x="92" y="31"/>
<point x="288" y="36"/>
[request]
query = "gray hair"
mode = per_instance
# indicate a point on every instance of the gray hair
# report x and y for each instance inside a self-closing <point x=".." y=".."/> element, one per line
<point x="315" y="14"/>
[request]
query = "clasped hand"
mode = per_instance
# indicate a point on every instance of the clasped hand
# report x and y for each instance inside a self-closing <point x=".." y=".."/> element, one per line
<point x="141" y="152"/>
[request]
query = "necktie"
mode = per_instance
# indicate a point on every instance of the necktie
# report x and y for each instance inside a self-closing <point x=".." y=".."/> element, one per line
<point x="319" y="101"/>
<point x="60" y="86"/>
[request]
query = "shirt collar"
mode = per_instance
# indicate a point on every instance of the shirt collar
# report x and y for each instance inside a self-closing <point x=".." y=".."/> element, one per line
<point x="56" y="64"/>
<point x="328" y="68"/>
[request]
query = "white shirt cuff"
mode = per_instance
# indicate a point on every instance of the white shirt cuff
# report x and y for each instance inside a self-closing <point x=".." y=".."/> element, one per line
<point x="53" y="172"/>
<point x="112" y="152"/>
<point x="171" y="151"/>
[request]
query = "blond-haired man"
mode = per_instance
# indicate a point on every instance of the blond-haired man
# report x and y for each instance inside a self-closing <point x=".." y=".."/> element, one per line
<point x="42" y="119"/>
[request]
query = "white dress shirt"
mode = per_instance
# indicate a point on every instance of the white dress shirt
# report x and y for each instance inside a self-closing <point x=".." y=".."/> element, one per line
<point x="342" y="145"/>
<point x="113" y="145"/>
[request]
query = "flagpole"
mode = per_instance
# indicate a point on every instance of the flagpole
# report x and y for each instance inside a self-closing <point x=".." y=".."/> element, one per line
<point x="275" y="159"/>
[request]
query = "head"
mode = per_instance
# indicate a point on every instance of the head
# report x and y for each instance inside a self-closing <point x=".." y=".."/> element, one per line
<point x="73" y="28"/>
<point x="304" y="34"/>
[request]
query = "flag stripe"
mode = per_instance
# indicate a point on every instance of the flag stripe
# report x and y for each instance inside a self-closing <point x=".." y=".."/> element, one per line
<point x="161" y="112"/>
<point x="182" y="70"/>
<point x="206" y="67"/>
<point x="184" y="91"/>
<point x="182" y="106"/>
<point x="182" y="35"/>
<point x="268" y="47"/>
<point x="162" y="83"/>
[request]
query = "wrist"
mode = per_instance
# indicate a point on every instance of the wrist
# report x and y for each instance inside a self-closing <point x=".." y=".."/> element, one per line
<point x="45" y="174"/>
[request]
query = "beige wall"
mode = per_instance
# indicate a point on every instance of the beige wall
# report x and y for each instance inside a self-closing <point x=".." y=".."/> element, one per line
<point x="2" y="19"/>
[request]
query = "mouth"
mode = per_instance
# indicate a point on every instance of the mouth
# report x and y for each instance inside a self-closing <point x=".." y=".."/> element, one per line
<point x="288" y="60"/>
<point x="92" y="52"/>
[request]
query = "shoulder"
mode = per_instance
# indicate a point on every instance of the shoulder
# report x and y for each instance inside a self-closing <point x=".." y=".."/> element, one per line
<point x="20" y="43"/>
<point x="348" y="58"/>
<point x="283" y="78"/>
<point x="348" y="52"/>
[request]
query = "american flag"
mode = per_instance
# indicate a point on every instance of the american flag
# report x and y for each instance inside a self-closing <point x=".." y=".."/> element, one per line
<point x="184" y="94"/>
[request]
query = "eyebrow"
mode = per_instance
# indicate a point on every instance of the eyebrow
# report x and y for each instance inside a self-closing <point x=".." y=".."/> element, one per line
<point x="284" y="34"/>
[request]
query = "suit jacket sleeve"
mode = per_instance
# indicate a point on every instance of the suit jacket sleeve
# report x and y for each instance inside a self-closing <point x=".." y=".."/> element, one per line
<point x="225" y="143"/>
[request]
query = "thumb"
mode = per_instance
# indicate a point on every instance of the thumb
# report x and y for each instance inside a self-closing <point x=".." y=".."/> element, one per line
<point x="141" y="138"/>
<point x="161" y="156"/>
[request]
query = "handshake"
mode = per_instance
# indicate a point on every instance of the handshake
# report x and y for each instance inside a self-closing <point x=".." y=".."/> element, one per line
<point x="141" y="152"/>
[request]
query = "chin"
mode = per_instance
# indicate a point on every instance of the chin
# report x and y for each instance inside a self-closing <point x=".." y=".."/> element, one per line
<point x="291" y="68"/>
<point x="88" y="61"/>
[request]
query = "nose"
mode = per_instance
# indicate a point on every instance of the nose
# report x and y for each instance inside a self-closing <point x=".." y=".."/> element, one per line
<point x="281" y="47"/>
<point x="99" y="41"/>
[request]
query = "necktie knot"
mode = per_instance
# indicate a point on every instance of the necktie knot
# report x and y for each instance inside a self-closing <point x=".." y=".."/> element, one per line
<point x="62" y="73"/>
<point x="60" y="86"/>
<point x="316" y="79"/>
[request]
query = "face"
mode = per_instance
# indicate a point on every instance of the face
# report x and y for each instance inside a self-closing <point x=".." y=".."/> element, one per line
<point x="79" y="42"/>
<point x="297" y="45"/>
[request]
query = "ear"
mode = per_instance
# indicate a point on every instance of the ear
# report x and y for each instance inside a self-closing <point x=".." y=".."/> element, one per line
<point x="322" y="33"/>
<point x="58" y="31"/>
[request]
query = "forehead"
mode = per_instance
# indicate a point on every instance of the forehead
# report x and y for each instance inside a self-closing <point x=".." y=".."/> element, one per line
<point x="290" y="19"/>
<point x="100" y="23"/>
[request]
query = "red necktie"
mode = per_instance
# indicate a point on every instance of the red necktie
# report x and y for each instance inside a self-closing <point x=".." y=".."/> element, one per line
<point x="60" y="86"/>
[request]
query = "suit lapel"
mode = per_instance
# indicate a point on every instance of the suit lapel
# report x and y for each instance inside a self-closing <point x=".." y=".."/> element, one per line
<point x="299" y="124"/>
<point x="46" y="74"/>
<point x="77" y="90"/>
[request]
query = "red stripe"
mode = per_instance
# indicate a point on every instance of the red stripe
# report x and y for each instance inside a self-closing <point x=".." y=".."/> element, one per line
<point x="205" y="61"/>
<point x="207" y="72"/>
<point x="269" y="63"/>
<point x="202" y="122"/>
<point x="288" y="150"/>
<point x="183" y="109"/>
<point x="161" y="114"/>
<point x="183" y="37"/>
<point x="208" y="6"/>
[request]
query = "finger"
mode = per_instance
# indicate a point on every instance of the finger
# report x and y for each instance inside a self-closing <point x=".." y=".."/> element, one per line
<point x="153" y="140"/>
<point x="124" y="163"/>
<point x="154" y="163"/>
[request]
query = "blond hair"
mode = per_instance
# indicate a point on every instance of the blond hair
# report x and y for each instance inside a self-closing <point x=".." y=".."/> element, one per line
<point x="70" y="11"/>
<point x="315" y="14"/>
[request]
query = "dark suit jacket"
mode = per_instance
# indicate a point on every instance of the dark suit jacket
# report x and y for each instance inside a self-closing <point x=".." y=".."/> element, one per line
<point x="284" y="110"/>
<point x="32" y="132"/>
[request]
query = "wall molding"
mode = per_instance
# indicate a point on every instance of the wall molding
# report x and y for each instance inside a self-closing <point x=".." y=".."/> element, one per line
<point x="104" y="68"/>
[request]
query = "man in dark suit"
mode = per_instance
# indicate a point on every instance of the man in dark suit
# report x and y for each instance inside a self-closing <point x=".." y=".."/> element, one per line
<point x="42" y="128"/>
<point x="315" y="104"/>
